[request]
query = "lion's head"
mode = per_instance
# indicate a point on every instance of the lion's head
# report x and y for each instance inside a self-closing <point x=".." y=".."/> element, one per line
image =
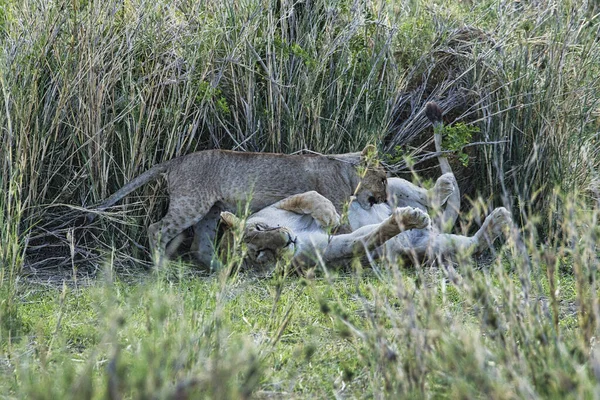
<point x="265" y="244"/>
<point x="372" y="188"/>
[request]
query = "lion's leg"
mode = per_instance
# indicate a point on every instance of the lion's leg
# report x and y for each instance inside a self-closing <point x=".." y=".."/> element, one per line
<point x="411" y="246"/>
<point x="205" y="233"/>
<point x="495" y="225"/>
<point x="450" y="213"/>
<point x="449" y="245"/>
<point x="440" y="193"/>
<point x="444" y="200"/>
<point x="492" y="228"/>
<point x="402" y="219"/>
<point x="370" y="237"/>
<point x="313" y="204"/>
<point x="402" y="193"/>
<point x="174" y="244"/>
<point x="177" y="219"/>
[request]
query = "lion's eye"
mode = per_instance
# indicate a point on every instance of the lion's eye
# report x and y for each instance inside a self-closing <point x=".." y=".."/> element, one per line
<point x="262" y="227"/>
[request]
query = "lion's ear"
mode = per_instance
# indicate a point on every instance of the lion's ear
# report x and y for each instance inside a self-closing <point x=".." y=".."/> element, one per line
<point x="368" y="156"/>
<point x="230" y="220"/>
<point x="369" y="151"/>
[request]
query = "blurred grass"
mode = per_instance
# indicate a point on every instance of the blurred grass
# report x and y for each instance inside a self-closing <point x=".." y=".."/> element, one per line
<point x="94" y="92"/>
<point x="370" y="333"/>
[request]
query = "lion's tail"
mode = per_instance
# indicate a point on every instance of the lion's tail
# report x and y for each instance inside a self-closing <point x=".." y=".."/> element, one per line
<point x="434" y="113"/>
<point x="450" y="214"/>
<point x="140" y="180"/>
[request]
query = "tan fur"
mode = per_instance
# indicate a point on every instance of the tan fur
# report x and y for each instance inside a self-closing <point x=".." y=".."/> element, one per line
<point x="313" y="204"/>
<point x="211" y="181"/>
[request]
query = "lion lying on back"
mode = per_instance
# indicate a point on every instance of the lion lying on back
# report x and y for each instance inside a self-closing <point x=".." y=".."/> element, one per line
<point x="296" y="229"/>
<point x="430" y="243"/>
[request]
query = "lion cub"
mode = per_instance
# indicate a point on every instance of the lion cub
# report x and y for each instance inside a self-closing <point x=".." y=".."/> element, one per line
<point x="204" y="183"/>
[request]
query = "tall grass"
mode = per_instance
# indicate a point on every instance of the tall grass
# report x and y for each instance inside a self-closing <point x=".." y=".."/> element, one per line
<point x="527" y="75"/>
<point x="525" y="326"/>
<point x="96" y="92"/>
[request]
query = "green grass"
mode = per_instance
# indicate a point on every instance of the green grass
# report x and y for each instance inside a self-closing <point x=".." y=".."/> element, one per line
<point x="344" y="334"/>
<point x="94" y="92"/>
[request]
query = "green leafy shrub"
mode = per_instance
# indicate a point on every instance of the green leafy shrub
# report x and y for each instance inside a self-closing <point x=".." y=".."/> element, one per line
<point x="456" y="137"/>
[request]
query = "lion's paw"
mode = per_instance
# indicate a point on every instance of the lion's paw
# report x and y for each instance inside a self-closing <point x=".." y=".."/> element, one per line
<point x="410" y="217"/>
<point x="444" y="187"/>
<point x="445" y="184"/>
<point x="327" y="217"/>
<point x="500" y="220"/>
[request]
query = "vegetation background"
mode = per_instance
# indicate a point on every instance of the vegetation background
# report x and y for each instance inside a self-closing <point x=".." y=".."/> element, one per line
<point x="94" y="92"/>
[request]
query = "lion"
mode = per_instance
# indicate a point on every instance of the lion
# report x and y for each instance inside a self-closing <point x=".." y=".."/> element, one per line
<point x="297" y="228"/>
<point x="203" y="184"/>
<point x="444" y="198"/>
